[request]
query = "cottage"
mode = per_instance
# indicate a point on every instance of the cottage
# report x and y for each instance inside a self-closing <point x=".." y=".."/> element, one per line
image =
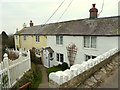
<point x="72" y="41"/>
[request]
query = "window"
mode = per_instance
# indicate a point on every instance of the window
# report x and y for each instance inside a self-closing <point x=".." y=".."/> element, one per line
<point x="24" y="37"/>
<point x="87" y="57"/>
<point x="16" y="38"/>
<point x="38" y="52"/>
<point x="60" y="57"/>
<point x="37" y="38"/>
<point x="59" y="39"/>
<point x="25" y="49"/>
<point x="90" y="41"/>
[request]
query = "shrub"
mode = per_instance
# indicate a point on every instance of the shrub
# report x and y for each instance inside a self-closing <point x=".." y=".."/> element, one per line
<point x="33" y="57"/>
<point x="64" y="66"/>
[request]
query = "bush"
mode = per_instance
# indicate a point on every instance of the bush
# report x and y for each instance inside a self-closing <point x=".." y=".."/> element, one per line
<point x="33" y="57"/>
<point x="60" y="67"/>
<point x="64" y="66"/>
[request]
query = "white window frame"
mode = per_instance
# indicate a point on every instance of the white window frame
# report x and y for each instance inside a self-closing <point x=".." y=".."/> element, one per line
<point x="38" y="52"/>
<point x="91" y="57"/>
<point x="59" y="54"/>
<point x="90" y="42"/>
<point x="24" y="37"/>
<point x="37" y="38"/>
<point x="59" y="40"/>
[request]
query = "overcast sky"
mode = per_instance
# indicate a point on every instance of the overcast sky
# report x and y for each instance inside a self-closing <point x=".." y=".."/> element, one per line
<point x="13" y="13"/>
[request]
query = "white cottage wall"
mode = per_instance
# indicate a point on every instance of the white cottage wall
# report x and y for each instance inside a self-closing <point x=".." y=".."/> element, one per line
<point x="104" y="43"/>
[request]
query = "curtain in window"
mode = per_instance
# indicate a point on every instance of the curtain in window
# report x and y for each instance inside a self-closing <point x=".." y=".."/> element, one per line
<point x="57" y="39"/>
<point x="61" y="39"/>
<point x="93" y="42"/>
<point x="87" y="41"/>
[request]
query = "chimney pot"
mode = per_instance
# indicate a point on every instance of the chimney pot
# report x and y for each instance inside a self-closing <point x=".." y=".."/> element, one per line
<point x="24" y="25"/>
<point x="93" y="5"/>
<point x="31" y="23"/>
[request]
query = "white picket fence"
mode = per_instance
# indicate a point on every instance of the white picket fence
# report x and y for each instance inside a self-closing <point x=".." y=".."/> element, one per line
<point x="14" y="69"/>
<point x="61" y="77"/>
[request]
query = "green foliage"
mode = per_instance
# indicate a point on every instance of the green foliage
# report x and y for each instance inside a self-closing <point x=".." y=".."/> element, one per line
<point x="52" y="69"/>
<point x="64" y="66"/>
<point x="4" y="35"/>
<point x="60" y="67"/>
<point x="4" y="81"/>
<point x="33" y="57"/>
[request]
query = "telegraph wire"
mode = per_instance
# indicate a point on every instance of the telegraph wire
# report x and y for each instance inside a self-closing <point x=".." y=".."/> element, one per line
<point x="54" y="12"/>
<point x="65" y="10"/>
<point x="101" y="9"/>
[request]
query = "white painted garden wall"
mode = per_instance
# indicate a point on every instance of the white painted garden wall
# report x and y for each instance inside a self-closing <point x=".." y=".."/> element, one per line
<point x="104" y="43"/>
<point x="14" y="69"/>
<point x="61" y="77"/>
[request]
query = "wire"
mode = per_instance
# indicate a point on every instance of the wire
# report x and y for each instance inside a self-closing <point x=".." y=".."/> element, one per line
<point x="101" y="9"/>
<point x="65" y="10"/>
<point x="54" y="12"/>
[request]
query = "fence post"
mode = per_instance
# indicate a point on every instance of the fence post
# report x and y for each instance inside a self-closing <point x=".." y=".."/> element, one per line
<point x="29" y="59"/>
<point x="7" y="66"/>
<point x="0" y="67"/>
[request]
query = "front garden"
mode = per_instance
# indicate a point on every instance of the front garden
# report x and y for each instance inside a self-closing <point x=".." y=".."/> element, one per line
<point x="60" y="67"/>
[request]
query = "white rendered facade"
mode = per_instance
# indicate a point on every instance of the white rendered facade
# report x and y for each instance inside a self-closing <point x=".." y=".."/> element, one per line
<point x="103" y="44"/>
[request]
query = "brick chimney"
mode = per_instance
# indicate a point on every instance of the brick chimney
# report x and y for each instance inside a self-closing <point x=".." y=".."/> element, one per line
<point x="93" y="12"/>
<point x="31" y="23"/>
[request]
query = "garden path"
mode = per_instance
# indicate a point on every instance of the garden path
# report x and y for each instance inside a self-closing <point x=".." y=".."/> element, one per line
<point x="44" y="83"/>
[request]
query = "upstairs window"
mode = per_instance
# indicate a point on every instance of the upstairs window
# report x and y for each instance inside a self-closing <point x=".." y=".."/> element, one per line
<point x="37" y="38"/>
<point x="59" y="40"/>
<point x="90" y="41"/>
<point x="24" y="37"/>
<point x="87" y="57"/>
<point x="60" y="57"/>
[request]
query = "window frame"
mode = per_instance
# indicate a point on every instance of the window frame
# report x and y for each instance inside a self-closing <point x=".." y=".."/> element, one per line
<point x="37" y="51"/>
<point x="24" y="37"/>
<point x="91" y="57"/>
<point x="37" y="38"/>
<point x="90" y="44"/>
<point x="59" y="40"/>
<point x="58" y="57"/>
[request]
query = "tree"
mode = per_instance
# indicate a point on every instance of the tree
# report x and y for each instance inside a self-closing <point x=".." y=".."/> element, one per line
<point x="4" y="35"/>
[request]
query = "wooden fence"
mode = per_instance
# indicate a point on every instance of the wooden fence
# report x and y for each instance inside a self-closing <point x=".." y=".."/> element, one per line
<point x="12" y="71"/>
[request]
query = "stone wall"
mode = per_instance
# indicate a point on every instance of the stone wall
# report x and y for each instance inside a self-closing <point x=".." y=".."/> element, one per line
<point x="92" y="72"/>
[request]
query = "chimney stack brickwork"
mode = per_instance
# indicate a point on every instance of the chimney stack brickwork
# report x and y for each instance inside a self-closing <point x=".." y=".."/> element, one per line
<point x="31" y="23"/>
<point x="93" y="12"/>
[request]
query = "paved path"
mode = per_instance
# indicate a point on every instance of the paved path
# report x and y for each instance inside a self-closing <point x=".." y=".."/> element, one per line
<point x="111" y="81"/>
<point x="44" y="83"/>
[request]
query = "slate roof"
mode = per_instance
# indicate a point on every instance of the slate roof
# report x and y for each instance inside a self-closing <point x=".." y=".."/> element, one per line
<point x="100" y="26"/>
